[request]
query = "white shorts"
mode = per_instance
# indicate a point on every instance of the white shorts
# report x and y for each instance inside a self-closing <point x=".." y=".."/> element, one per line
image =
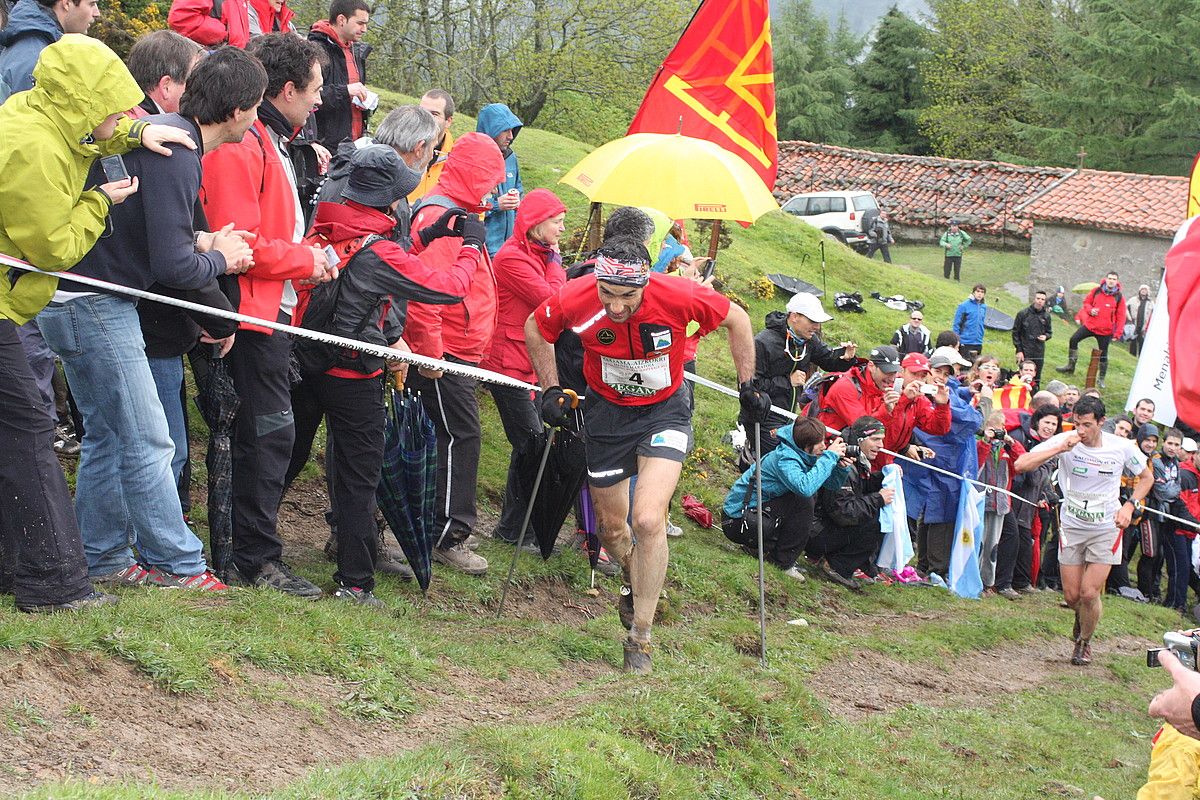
<point x="1076" y="547"/>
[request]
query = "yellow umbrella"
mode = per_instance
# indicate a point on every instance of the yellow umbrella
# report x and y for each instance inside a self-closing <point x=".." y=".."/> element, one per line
<point x="682" y="176"/>
<point x="1086" y="286"/>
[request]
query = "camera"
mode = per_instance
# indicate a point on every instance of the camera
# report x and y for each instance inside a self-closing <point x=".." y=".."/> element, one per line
<point x="853" y="451"/>
<point x="998" y="433"/>
<point x="1182" y="644"/>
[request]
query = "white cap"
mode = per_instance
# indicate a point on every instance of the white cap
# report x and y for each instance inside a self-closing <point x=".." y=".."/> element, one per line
<point x="945" y="356"/>
<point x="1189" y="445"/>
<point x="808" y="305"/>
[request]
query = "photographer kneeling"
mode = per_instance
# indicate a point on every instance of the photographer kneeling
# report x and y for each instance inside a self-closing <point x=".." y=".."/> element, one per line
<point x="799" y="466"/>
<point x="846" y="525"/>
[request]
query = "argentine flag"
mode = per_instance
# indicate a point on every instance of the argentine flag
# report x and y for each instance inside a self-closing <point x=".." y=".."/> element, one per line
<point x="968" y="537"/>
<point x="896" y="550"/>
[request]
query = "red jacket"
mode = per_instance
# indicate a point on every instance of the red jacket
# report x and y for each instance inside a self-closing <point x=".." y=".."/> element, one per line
<point x="269" y="20"/>
<point x="852" y="396"/>
<point x="194" y="19"/>
<point x="1110" y="321"/>
<point x="932" y="418"/>
<point x="465" y="330"/>
<point x="1182" y="279"/>
<point x="527" y="273"/>
<point x="245" y="183"/>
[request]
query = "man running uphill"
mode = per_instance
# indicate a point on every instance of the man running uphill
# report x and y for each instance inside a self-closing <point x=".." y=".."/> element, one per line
<point x="1091" y="516"/>
<point x="633" y="325"/>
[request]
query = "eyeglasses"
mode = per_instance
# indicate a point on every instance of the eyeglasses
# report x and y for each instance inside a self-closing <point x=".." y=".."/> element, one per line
<point x="917" y="319"/>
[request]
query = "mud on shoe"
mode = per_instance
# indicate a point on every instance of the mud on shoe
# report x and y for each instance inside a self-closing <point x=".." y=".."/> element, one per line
<point x="358" y="596"/>
<point x="625" y="606"/>
<point x="637" y="658"/>
<point x="461" y="558"/>
<point x="278" y="576"/>
<point x="1082" y="655"/>
<point x="93" y="599"/>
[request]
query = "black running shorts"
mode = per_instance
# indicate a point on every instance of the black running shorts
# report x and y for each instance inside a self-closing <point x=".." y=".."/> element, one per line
<point x="614" y="436"/>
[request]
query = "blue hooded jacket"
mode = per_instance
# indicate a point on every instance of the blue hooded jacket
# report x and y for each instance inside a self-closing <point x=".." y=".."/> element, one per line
<point x="931" y="493"/>
<point x="30" y="28"/>
<point x="495" y="119"/>
<point x="968" y="321"/>
<point x="786" y="470"/>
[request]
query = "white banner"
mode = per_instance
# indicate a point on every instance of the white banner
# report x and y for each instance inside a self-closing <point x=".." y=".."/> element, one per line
<point x="1152" y="377"/>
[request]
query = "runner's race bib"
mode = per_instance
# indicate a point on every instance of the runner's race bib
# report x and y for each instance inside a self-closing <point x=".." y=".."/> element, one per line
<point x="637" y="377"/>
<point x="1086" y="506"/>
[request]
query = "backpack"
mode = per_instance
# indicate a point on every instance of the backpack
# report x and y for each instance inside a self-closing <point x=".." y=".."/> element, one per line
<point x="817" y="387"/>
<point x="316" y="313"/>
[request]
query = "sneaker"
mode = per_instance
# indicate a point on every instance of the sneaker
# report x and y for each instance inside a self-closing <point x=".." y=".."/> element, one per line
<point x="1082" y="655"/>
<point x="65" y="443"/>
<point x="607" y="565"/>
<point x="1009" y="593"/>
<point x="637" y="657"/>
<point x="362" y="597"/>
<point x="1027" y="590"/>
<point x="133" y="575"/>
<point x="461" y="559"/>
<point x="833" y="575"/>
<point x="795" y="574"/>
<point x="92" y="599"/>
<point x="278" y="576"/>
<point x="625" y="606"/>
<point x="204" y="582"/>
<point x="673" y="530"/>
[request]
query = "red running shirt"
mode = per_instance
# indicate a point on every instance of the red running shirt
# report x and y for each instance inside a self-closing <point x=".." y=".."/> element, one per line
<point x="640" y="361"/>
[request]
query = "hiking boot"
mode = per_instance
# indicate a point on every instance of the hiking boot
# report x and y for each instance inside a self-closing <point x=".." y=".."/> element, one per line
<point x="331" y="548"/>
<point x="1009" y="593"/>
<point x="204" y="582"/>
<point x="358" y="596"/>
<point x="1027" y="590"/>
<point x="65" y="443"/>
<point x="391" y="559"/>
<point x="673" y="530"/>
<point x="133" y="575"/>
<point x="92" y="599"/>
<point x="833" y="575"/>
<point x="1069" y="367"/>
<point x="472" y="542"/>
<point x="1082" y="655"/>
<point x="625" y="606"/>
<point x="637" y="657"/>
<point x="461" y="559"/>
<point x="278" y="576"/>
<point x="795" y="574"/>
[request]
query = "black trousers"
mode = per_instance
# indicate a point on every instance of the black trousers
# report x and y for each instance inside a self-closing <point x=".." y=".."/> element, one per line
<point x="1048" y="574"/>
<point x="951" y="264"/>
<point x="451" y="403"/>
<point x="1035" y="352"/>
<point x="521" y="420"/>
<point x="787" y="524"/>
<point x="934" y="541"/>
<point x="846" y="549"/>
<point x="263" y="434"/>
<point x="41" y="553"/>
<point x="1014" y="559"/>
<point x="354" y="415"/>
<point x="1101" y="341"/>
<point x="883" y="248"/>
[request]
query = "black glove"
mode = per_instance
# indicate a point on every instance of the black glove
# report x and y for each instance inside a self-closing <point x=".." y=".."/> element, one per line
<point x="445" y="226"/>
<point x="472" y="230"/>
<point x="555" y="403"/>
<point x="756" y="405"/>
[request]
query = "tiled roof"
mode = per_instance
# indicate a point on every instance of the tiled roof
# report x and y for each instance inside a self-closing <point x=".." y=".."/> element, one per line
<point x="921" y="191"/>
<point x="1118" y="201"/>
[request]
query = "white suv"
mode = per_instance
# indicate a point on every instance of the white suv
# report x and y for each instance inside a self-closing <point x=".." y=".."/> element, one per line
<point x="845" y="216"/>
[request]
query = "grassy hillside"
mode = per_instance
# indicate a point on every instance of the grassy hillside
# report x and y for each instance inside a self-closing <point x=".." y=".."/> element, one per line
<point x="897" y="693"/>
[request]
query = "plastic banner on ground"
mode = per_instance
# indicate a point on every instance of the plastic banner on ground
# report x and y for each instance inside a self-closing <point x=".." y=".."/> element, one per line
<point x="897" y="549"/>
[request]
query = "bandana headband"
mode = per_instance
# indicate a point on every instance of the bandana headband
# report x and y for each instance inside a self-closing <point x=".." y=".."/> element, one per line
<point x="622" y="273"/>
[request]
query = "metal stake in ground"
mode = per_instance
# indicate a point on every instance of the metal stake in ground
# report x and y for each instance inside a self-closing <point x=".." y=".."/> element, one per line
<point x="537" y="484"/>
<point x="762" y="580"/>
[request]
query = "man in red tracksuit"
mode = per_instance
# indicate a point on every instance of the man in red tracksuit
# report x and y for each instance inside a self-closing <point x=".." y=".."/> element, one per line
<point x="863" y="391"/>
<point x="1102" y="317"/>
<point x="211" y="23"/>
<point x="460" y="333"/>
<point x="252" y="185"/>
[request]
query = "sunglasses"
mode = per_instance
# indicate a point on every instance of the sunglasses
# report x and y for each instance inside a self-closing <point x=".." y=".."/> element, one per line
<point x="917" y="319"/>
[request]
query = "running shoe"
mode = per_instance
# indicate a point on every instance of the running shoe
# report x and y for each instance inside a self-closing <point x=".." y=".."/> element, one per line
<point x="637" y="657"/>
<point x="278" y="576"/>
<point x="1082" y="656"/>
<point x="673" y="530"/>
<point x="133" y="575"/>
<point x="204" y="582"/>
<point x="358" y="596"/>
<point x="92" y="599"/>
<point x="795" y="574"/>
<point x="65" y="443"/>
<point x="605" y="564"/>
<point x="1009" y="593"/>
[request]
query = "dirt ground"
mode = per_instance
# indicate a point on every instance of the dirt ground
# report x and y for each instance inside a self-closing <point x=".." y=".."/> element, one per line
<point x="87" y="717"/>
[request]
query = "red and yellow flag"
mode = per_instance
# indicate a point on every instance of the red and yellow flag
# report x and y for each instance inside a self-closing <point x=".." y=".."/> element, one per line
<point x="718" y="84"/>
<point x="1193" y="204"/>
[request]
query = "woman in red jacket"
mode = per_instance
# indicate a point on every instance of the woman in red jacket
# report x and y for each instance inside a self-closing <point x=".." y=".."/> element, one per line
<point x="528" y="270"/>
<point x="1102" y="317"/>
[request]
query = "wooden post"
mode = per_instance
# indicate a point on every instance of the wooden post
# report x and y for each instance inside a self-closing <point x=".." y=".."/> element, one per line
<point x="595" y="228"/>
<point x="1093" y="370"/>
<point x="715" y="241"/>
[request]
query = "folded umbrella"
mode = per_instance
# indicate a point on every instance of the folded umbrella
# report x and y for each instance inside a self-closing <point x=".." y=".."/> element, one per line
<point x="218" y="403"/>
<point x="407" y="485"/>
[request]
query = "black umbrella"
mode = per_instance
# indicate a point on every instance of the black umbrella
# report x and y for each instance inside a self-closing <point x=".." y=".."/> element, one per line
<point x="407" y="488"/>
<point x="566" y="466"/>
<point x="218" y="403"/>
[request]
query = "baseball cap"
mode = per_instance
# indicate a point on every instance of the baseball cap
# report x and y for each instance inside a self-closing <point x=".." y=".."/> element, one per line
<point x="378" y="177"/>
<point x="915" y="362"/>
<point x="1189" y="445"/>
<point x="808" y="305"/>
<point x="887" y="358"/>
<point x="947" y="356"/>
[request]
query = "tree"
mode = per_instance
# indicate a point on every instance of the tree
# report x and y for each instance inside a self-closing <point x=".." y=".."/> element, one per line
<point x="888" y="92"/>
<point x="985" y="54"/>
<point x="812" y="74"/>
<point x="1126" y="90"/>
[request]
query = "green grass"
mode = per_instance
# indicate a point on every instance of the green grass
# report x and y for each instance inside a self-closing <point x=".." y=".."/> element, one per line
<point x="711" y="722"/>
<point x="991" y="267"/>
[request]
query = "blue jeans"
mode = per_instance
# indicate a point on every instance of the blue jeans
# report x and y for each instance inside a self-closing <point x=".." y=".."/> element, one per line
<point x="168" y="379"/>
<point x="125" y="495"/>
